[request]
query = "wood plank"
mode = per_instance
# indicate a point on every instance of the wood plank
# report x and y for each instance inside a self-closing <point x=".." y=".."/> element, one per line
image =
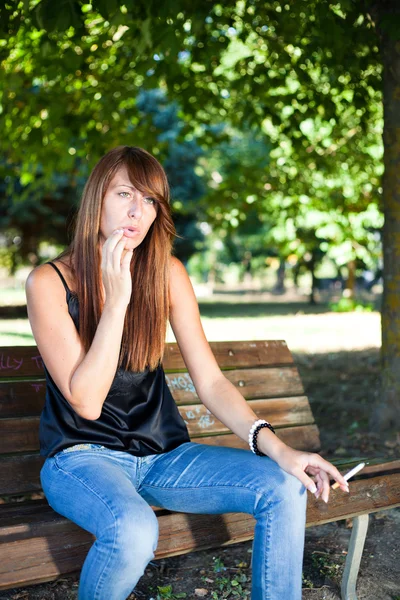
<point x="22" y="434"/>
<point x="20" y="361"/>
<point x="365" y="496"/>
<point x="252" y="383"/>
<point x="22" y="398"/>
<point x="236" y="354"/>
<point x="19" y="435"/>
<point x="47" y="545"/>
<point x="14" y="517"/>
<point x="379" y="466"/>
<point x="52" y="558"/>
<point x="282" y="412"/>
<point x="25" y="361"/>
<point x="19" y="474"/>
<point x="376" y="465"/>
<point x="27" y="398"/>
<point x="180" y="531"/>
<point x="301" y="438"/>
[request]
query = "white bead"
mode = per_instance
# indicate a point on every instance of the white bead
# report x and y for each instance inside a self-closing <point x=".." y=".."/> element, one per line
<point x="251" y="432"/>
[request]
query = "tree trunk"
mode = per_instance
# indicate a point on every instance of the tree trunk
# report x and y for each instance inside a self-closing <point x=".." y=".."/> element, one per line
<point x="351" y="278"/>
<point x="386" y="412"/>
<point x="280" y="277"/>
<point x="247" y="274"/>
<point x="314" y="282"/>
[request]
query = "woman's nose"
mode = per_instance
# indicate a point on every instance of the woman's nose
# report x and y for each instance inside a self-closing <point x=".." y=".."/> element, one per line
<point x="136" y="208"/>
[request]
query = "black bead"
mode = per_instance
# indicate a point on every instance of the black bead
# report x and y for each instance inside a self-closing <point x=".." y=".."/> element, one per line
<point x="255" y="433"/>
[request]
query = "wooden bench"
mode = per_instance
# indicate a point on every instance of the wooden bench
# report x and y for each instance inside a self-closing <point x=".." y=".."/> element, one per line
<point x="37" y="544"/>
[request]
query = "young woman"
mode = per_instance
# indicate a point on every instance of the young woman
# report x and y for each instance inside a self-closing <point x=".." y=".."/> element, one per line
<point x="110" y="430"/>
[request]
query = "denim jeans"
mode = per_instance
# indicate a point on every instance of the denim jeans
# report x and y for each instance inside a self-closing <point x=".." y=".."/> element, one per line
<point x="109" y="492"/>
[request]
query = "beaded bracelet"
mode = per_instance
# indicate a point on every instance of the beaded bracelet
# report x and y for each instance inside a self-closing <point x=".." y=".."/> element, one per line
<point x="253" y="435"/>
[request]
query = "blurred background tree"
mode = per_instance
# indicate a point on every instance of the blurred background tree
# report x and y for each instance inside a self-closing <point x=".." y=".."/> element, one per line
<point x="281" y="115"/>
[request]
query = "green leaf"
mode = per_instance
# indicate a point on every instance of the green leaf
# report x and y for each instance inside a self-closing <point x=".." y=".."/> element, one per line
<point x="107" y="8"/>
<point x="57" y="16"/>
<point x="167" y="589"/>
<point x="145" y="39"/>
<point x="26" y="178"/>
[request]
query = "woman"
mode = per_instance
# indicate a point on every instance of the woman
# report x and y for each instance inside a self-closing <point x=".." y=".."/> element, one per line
<point x="110" y="430"/>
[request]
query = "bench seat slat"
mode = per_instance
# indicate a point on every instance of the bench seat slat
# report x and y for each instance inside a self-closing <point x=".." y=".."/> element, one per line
<point x="49" y="545"/>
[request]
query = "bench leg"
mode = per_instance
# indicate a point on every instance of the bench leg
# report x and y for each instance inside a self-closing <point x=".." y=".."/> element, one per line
<point x="353" y="559"/>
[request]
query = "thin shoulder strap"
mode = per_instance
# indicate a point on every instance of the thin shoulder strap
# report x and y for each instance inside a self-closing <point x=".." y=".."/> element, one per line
<point x="61" y="275"/>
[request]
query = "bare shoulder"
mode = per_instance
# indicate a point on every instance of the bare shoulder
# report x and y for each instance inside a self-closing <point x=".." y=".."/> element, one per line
<point x="175" y="264"/>
<point x="46" y="275"/>
<point x="45" y="294"/>
<point x="40" y="276"/>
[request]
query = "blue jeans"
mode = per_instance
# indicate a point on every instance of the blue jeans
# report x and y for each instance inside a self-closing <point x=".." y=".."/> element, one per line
<point x="108" y="492"/>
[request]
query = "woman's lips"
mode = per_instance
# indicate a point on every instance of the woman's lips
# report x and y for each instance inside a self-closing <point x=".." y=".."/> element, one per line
<point x="129" y="233"/>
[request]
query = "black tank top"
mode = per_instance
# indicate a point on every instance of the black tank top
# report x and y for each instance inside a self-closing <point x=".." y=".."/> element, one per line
<point x="139" y="414"/>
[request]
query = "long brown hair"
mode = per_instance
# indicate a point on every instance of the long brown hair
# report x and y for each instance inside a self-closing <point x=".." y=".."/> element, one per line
<point x="145" y="326"/>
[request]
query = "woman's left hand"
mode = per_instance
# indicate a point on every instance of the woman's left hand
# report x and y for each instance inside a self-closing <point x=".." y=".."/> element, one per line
<point x="299" y="464"/>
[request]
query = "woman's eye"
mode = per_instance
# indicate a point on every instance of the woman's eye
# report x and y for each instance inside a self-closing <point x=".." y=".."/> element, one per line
<point x="127" y="195"/>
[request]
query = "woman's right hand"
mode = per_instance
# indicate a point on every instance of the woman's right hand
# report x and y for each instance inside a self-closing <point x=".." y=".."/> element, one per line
<point x="116" y="274"/>
<point x="297" y="463"/>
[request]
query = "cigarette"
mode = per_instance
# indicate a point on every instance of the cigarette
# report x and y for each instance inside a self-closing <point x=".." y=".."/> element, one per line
<point x="349" y="474"/>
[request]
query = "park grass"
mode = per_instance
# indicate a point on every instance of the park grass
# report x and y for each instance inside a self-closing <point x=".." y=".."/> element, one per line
<point x="304" y="327"/>
<point x="326" y="332"/>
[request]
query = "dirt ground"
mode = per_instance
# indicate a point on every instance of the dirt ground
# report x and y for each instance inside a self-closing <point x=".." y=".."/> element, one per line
<point x="342" y="388"/>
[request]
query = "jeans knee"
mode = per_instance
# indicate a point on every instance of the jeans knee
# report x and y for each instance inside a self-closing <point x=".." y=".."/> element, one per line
<point x="132" y="537"/>
<point x="292" y="492"/>
<point x="137" y="538"/>
<point x="288" y="493"/>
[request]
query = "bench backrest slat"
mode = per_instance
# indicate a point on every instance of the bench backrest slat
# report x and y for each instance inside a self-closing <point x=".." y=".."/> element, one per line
<point x="22" y="435"/>
<point x="25" y="361"/>
<point x="26" y="398"/>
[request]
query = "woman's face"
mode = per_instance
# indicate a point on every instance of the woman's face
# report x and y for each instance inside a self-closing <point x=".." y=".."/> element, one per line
<point x="124" y="207"/>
